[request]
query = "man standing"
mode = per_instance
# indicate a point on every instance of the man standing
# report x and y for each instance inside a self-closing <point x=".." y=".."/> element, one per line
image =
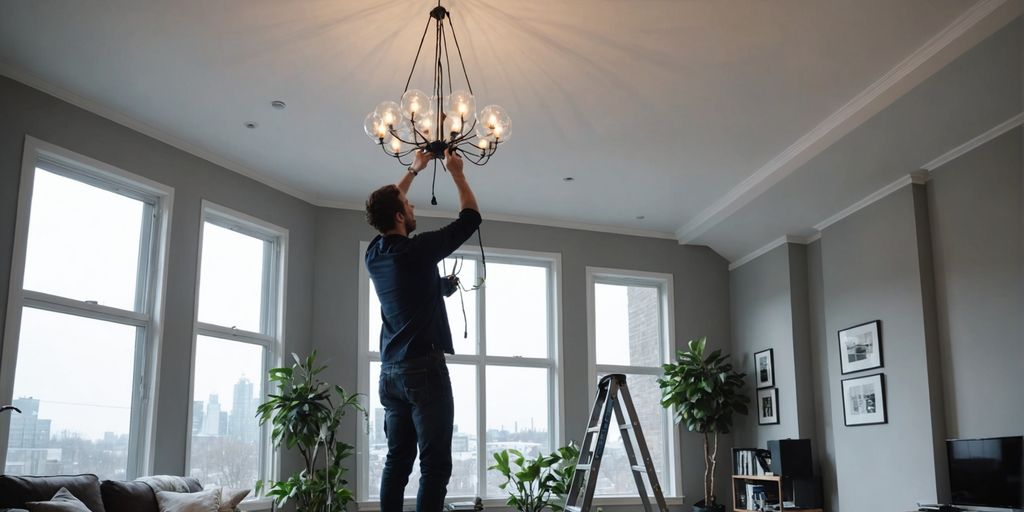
<point x="415" y="388"/>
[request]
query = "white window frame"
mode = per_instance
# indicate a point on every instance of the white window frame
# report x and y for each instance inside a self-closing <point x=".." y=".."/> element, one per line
<point x="272" y="319"/>
<point x="150" y="287"/>
<point x="663" y="282"/>
<point x="556" y="408"/>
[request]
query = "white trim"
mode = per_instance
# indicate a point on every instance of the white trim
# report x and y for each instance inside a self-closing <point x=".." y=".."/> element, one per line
<point x="664" y="282"/>
<point x="986" y="16"/>
<point x="980" y="140"/>
<point x="870" y="199"/>
<point x="791" y="239"/>
<point x="151" y="286"/>
<point x="145" y="129"/>
<point x="272" y="343"/>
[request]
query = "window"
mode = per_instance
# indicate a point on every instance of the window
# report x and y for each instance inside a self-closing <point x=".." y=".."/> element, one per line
<point x="86" y="289"/>
<point x="507" y="336"/>
<point x="629" y="331"/>
<point x="239" y="307"/>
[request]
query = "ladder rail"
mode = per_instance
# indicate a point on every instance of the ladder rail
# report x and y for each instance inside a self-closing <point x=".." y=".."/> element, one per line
<point x="645" y="454"/>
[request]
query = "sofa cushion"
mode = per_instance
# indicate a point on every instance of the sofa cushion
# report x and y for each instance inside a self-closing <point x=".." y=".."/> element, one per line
<point x="203" y="501"/>
<point x="135" y="496"/>
<point x="63" y="501"/>
<point x="15" y="491"/>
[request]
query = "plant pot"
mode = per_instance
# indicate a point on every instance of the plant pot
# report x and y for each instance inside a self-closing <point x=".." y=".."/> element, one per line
<point x="700" y="507"/>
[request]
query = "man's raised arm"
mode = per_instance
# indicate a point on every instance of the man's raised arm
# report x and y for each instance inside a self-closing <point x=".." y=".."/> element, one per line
<point x="420" y="163"/>
<point x="466" y="197"/>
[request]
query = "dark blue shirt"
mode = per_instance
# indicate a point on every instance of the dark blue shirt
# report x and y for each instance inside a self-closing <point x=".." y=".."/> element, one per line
<point x="404" y="272"/>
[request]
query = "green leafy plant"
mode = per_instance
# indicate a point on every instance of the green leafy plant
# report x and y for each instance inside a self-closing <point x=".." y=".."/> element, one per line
<point x="537" y="484"/>
<point x="704" y="392"/>
<point x="306" y="414"/>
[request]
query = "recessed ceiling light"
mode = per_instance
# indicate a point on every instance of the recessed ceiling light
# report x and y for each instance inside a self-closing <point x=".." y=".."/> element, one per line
<point x="250" y="125"/>
<point x="567" y="179"/>
<point x="278" y="104"/>
<point x="640" y="217"/>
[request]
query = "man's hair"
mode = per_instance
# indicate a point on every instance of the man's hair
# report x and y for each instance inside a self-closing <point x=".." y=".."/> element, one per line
<point x="382" y="206"/>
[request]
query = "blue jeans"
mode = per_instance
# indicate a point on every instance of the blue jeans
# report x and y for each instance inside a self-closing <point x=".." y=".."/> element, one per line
<point x="419" y="411"/>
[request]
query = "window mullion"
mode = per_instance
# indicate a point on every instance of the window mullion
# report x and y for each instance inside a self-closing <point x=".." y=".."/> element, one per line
<point x="58" y="304"/>
<point x="217" y="331"/>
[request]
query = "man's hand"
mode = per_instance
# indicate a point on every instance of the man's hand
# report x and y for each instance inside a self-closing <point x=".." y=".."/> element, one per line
<point x="421" y="160"/>
<point x="453" y="162"/>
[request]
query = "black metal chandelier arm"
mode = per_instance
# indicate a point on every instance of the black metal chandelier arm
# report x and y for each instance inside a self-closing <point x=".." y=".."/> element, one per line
<point x="396" y="155"/>
<point x="415" y="60"/>
<point x="465" y="73"/>
<point x="447" y="61"/>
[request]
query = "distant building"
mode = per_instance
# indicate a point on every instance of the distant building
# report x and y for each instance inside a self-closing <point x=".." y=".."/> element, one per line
<point x="211" y="420"/>
<point x="242" y="424"/>
<point x="27" y="447"/>
<point x="197" y="416"/>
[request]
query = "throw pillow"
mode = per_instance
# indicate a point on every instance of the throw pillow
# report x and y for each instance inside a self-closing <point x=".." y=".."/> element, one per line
<point x="203" y="501"/>
<point x="229" y="498"/>
<point x="63" y="501"/>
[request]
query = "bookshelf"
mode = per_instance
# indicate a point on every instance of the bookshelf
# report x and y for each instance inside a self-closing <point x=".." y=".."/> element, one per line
<point x="773" y="488"/>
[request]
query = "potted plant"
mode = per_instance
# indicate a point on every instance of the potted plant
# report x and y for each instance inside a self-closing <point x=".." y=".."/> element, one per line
<point x="537" y="484"/>
<point x="704" y="393"/>
<point x="306" y="414"/>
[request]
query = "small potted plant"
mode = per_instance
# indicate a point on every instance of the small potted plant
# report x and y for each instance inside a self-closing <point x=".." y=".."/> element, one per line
<point x="306" y="414"/>
<point x="704" y="392"/>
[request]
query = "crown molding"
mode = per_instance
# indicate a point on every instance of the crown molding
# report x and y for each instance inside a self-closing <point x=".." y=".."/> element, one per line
<point x="981" y="20"/>
<point x="980" y="140"/>
<point x="788" y="239"/>
<point x="918" y="178"/>
<point x="146" y="129"/>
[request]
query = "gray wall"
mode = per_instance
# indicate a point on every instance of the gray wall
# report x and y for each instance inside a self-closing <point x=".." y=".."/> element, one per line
<point x="940" y="266"/>
<point x="769" y="310"/>
<point x="26" y="111"/>
<point x="701" y="299"/>
<point x="976" y="225"/>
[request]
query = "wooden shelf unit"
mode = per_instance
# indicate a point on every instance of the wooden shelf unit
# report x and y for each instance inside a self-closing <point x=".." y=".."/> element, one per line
<point x="777" y="480"/>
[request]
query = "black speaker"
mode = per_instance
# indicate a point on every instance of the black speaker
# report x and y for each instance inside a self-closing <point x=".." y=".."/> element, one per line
<point x="792" y="457"/>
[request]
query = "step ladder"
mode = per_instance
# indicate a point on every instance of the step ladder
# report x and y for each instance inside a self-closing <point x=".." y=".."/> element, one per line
<point x="612" y="393"/>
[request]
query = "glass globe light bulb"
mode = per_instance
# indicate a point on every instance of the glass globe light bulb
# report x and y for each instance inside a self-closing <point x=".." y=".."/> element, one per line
<point x="389" y="112"/>
<point x="396" y="145"/>
<point x="415" y="103"/>
<point x="460" y="104"/>
<point x="497" y="124"/>
<point x="483" y="144"/>
<point x="453" y="126"/>
<point x="374" y="127"/>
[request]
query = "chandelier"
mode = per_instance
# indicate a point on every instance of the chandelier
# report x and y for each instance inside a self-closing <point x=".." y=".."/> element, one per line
<point x="443" y="119"/>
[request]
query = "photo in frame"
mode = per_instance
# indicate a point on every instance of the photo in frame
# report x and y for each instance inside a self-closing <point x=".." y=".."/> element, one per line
<point x="767" y="406"/>
<point x="764" y="368"/>
<point x="860" y="347"/>
<point x="864" y="400"/>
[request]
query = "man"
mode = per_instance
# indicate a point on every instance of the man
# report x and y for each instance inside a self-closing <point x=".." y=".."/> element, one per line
<point x="415" y="389"/>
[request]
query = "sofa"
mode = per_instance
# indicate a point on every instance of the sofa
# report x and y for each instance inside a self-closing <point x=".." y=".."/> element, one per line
<point x="105" y="496"/>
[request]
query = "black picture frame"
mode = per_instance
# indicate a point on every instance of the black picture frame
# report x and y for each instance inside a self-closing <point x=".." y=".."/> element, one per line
<point x="767" y="405"/>
<point x="764" y="368"/>
<point x="860" y="347"/>
<point x="864" y="400"/>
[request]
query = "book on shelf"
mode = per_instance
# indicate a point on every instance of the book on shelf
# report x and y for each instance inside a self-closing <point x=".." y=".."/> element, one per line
<point x="751" y="461"/>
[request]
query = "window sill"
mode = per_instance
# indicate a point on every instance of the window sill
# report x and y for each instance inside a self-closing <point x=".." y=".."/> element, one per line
<point x="256" y="504"/>
<point x="374" y="506"/>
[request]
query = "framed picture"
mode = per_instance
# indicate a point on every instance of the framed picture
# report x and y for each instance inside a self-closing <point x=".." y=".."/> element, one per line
<point x="864" y="400"/>
<point x="860" y="347"/>
<point x="764" y="369"/>
<point x="768" y="406"/>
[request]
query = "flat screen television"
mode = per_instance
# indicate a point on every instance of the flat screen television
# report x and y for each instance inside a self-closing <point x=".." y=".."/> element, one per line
<point x="987" y="472"/>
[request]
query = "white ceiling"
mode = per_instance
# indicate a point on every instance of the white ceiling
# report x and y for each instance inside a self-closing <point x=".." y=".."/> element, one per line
<point x="685" y="112"/>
